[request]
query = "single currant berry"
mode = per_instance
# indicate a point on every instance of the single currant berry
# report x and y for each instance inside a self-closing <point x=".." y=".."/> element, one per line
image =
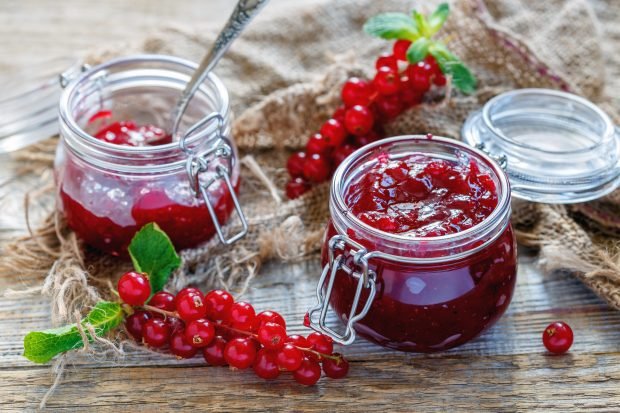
<point x="357" y="92"/>
<point x="317" y="144"/>
<point x="272" y="335"/>
<point x="400" y="49"/>
<point x="296" y="187"/>
<point x="156" y="332"/>
<point x="214" y="352"/>
<point x="359" y="120"/>
<point x="440" y="80"/>
<point x="218" y="303"/>
<point x="558" y="337"/>
<point x="387" y="81"/>
<point x="334" y="132"/>
<point x="268" y="316"/>
<point x="199" y="333"/>
<point x="134" y="288"/>
<point x="308" y="373"/>
<point x="298" y="341"/>
<point x="321" y="343"/>
<point x="340" y="154"/>
<point x="387" y="60"/>
<point x="336" y="369"/>
<point x="289" y="357"/>
<point x="176" y="324"/>
<point x="265" y="365"/>
<point x="240" y="353"/>
<point x="295" y="164"/>
<point x="339" y="114"/>
<point x="432" y="63"/>
<point x="184" y="291"/>
<point x="135" y="323"/>
<point x="317" y="168"/>
<point x="163" y="300"/>
<point x="180" y="347"/>
<point x="420" y="76"/>
<point x="190" y="306"/>
<point x="242" y="316"/>
<point x="389" y="106"/>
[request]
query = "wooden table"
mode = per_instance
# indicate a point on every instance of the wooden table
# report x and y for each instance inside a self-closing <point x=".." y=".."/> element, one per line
<point x="506" y="369"/>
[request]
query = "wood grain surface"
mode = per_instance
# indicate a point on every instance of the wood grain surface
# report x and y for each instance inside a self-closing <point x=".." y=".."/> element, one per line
<point x="506" y="369"/>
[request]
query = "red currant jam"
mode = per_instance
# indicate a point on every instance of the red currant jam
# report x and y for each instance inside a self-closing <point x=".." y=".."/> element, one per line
<point x="441" y="298"/>
<point x="106" y="208"/>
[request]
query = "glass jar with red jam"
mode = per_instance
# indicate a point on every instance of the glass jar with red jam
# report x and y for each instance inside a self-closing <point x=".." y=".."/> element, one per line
<point x="118" y="169"/>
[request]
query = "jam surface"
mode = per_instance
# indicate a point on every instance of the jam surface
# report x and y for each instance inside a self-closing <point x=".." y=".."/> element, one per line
<point x="128" y="132"/>
<point x="420" y="196"/>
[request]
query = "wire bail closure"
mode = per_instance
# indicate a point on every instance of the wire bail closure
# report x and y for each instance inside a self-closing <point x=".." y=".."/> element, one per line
<point x="199" y="163"/>
<point x="366" y="279"/>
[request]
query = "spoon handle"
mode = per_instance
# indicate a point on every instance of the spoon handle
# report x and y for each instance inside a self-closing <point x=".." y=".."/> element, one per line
<point x="238" y="20"/>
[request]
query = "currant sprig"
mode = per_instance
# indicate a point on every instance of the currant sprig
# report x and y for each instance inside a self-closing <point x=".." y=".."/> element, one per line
<point x="415" y="33"/>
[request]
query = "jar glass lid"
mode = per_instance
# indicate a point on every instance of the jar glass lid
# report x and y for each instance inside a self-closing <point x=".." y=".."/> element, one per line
<point x="29" y="103"/>
<point x="556" y="147"/>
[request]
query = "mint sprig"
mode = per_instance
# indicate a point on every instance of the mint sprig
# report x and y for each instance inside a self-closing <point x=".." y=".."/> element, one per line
<point x="420" y="30"/>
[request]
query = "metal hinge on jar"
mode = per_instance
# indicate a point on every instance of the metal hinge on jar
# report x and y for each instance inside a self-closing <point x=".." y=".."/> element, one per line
<point x="199" y="163"/>
<point x="360" y="271"/>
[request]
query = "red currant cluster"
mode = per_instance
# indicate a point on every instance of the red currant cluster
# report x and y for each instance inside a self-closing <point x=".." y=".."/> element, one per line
<point x="396" y="87"/>
<point x="226" y="332"/>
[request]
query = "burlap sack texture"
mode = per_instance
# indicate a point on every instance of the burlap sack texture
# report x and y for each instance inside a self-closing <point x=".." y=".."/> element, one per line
<point x="285" y="75"/>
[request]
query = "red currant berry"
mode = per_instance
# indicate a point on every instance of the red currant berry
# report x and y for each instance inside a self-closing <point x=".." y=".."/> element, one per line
<point x="408" y="95"/>
<point x="389" y="106"/>
<point x="295" y="164"/>
<point x="214" y="352"/>
<point x="180" y="347"/>
<point x="340" y="154"/>
<point x="218" y="303"/>
<point x="272" y="336"/>
<point x="296" y="187"/>
<point x="558" y="337"/>
<point x="190" y="306"/>
<point x="134" y="288"/>
<point x="400" y="49"/>
<point x="184" y="291"/>
<point x="317" y="168"/>
<point x="135" y="323"/>
<point x="339" y="114"/>
<point x="242" y="316"/>
<point x="289" y="357"/>
<point x="269" y="316"/>
<point x="420" y="76"/>
<point x="387" y="60"/>
<point x="240" y="353"/>
<point x="440" y="80"/>
<point x="432" y="63"/>
<point x="336" y="369"/>
<point x="298" y="341"/>
<point x="199" y="333"/>
<point x="308" y="373"/>
<point x="357" y="92"/>
<point x="175" y="324"/>
<point x="334" y="132"/>
<point x="321" y="343"/>
<point x="265" y="366"/>
<point x="317" y="144"/>
<point x="387" y="81"/>
<point x="156" y="332"/>
<point x="163" y="301"/>
<point x="359" y="120"/>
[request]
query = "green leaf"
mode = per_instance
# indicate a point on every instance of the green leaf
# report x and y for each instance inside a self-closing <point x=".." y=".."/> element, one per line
<point x="462" y="78"/>
<point x="438" y="18"/>
<point x="392" y="26"/>
<point x="418" y="50"/>
<point x="152" y="253"/>
<point x="42" y="346"/>
<point x="422" y="24"/>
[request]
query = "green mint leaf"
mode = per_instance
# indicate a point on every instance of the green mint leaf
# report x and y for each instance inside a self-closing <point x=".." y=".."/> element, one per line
<point x="422" y="24"/>
<point x="438" y="18"/>
<point x="462" y="78"/>
<point x="42" y="346"/>
<point x="392" y="26"/>
<point x="418" y="50"/>
<point x="152" y="253"/>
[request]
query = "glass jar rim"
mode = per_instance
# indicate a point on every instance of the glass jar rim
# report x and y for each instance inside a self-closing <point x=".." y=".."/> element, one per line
<point x="67" y="119"/>
<point x="499" y="215"/>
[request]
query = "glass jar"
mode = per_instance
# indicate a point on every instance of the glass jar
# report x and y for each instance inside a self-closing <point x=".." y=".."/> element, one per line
<point x="415" y="294"/>
<point x="188" y="187"/>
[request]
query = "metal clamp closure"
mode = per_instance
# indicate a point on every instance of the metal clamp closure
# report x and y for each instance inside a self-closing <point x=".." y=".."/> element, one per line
<point x="360" y="271"/>
<point x="198" y="163"/>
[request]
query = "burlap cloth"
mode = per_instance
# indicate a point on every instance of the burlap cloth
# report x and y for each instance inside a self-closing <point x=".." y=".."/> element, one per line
<point x="285" y="75"/>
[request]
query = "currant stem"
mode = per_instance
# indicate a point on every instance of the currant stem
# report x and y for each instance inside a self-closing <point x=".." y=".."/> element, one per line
<point x="160" y="311"/>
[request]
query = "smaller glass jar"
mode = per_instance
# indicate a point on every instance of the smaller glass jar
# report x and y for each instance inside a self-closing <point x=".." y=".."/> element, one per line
<point x="107" y="192"/>
<point x="415" y="294"/>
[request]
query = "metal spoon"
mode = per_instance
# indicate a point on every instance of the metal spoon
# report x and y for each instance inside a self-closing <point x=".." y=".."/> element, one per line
<point x="238" y="20"/>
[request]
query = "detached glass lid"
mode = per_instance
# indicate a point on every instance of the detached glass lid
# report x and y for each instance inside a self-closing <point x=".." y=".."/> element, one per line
<point x="556" y="147"/>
